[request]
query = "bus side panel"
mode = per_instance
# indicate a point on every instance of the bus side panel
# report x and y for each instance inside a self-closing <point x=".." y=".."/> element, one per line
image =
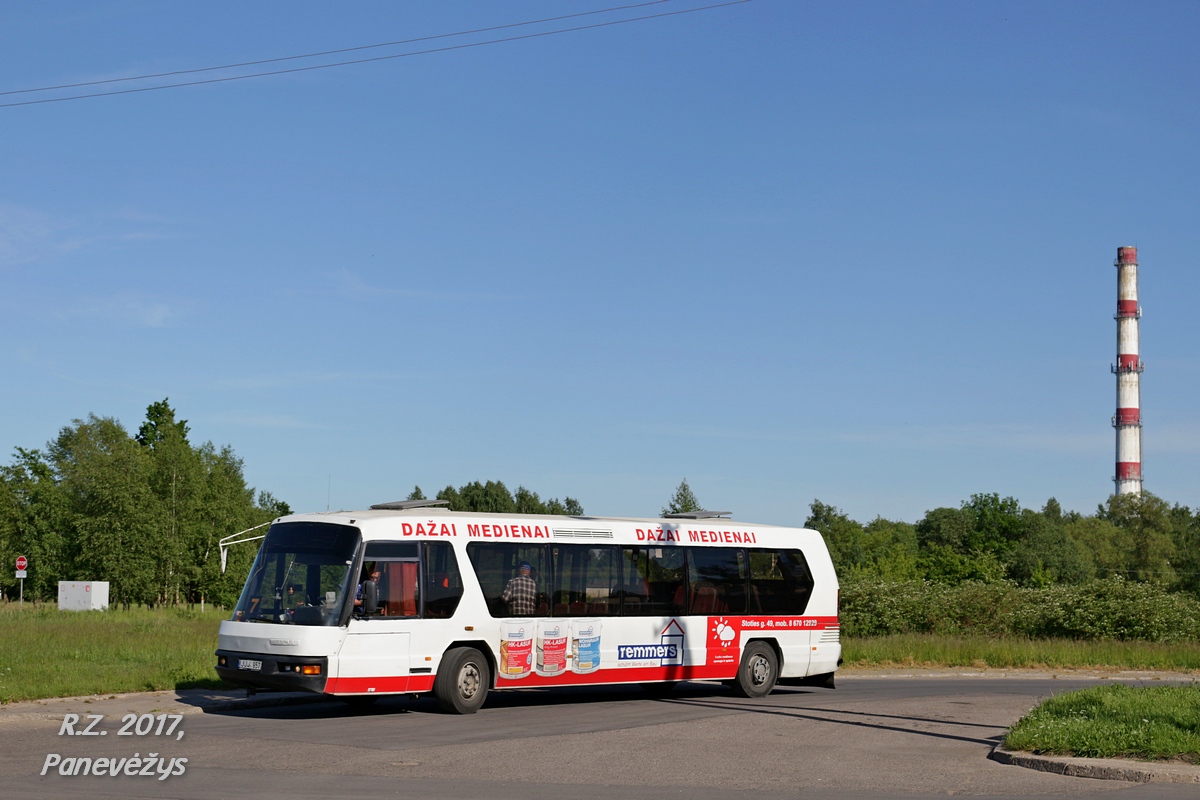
<point x="794" y="645"/>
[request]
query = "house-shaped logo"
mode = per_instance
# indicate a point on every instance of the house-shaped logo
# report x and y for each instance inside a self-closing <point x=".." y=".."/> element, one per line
<point x="673" y="635"/>
<point x="667" y="652"/>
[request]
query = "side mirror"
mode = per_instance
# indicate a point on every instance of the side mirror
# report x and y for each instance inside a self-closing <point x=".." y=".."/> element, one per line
<point x="370" y="598"/>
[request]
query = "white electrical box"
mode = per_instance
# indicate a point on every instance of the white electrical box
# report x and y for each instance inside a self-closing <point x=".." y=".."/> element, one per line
<point x="82" y="595"/>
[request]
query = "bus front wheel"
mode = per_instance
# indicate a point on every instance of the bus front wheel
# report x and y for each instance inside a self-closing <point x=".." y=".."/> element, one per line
<point x="758" y="672"/>
<point x="462" y="681"/>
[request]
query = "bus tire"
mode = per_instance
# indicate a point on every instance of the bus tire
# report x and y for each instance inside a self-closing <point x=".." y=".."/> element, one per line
<point x="758" y="672"/>
<point x="462" y="681"/>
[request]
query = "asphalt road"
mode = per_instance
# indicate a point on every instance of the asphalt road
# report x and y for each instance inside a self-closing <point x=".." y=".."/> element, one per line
<point x="876" y="736"/>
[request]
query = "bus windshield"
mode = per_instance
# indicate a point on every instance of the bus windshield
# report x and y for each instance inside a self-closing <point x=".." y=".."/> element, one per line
<point x="301" y="575"/>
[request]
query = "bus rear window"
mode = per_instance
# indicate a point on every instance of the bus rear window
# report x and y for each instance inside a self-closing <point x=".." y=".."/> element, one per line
<point x="780" y="582"/>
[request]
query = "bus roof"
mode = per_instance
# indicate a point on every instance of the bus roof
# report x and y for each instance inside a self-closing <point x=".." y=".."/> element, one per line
<point x="435" y="512"/>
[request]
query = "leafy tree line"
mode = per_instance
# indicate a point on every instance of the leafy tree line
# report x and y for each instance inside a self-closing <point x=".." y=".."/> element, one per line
<point x="988" y="538"/>
<point x="494" y="497"/>
<point x="142" y="511"/>
<point x="145" y="511"/>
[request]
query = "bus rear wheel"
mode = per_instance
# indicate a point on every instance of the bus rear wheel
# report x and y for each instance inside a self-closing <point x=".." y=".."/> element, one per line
<point x="758" y="672"/>
<point x="462" y="681"/>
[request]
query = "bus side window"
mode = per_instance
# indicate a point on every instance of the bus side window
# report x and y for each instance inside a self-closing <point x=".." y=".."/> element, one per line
<point x="717" y="580"/>
<point x="586" y="580"/>
<point x="601" y="576"/>
<point x="496" y="564"/>
<point x="569" y="596"/>
<point x="666" y="569"/>
<point x="443" y="582"/>
<point x="633" y="587"/>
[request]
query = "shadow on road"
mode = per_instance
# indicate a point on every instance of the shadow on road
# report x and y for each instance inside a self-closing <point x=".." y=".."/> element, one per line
<point x="318" y="707"/>
<point x="798" y="713"/>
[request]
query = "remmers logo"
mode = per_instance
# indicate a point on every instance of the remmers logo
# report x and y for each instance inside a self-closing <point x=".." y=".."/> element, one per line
<point x="648" y="652"/>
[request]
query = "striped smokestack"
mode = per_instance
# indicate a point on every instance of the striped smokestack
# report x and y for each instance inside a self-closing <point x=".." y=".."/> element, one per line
<point x="1128" y="369"/>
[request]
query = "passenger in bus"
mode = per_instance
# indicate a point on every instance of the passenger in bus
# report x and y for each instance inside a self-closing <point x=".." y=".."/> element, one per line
<point x="521" y="592"/>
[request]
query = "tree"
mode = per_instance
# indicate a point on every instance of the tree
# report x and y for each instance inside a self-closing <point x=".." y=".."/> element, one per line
<point x="682" y="501"/>
<point x="1187" y="547"/>
<point x="1052" y="510"/>
<point x="1047" y="555"/>
<point x="952" y="528"/>
<point x="997" y="524"/>
<point x="160" y="421"/>
<point x="528" y="502"/>
<point x="177" y="480"/>
<point x="889" y="550"/>
<point x="275" y="507"/>
<point x="1103" y="545"/>
<point x="961" y="544"/>
<point x="493" y="497"/>
<point x="111" y="511"/>
<point x="416" y="494"/>
<point x="843" y="535"/>
<point x="142" y="512"/>
<point x="32" y="521"/>
<point x="1148" y="521"/>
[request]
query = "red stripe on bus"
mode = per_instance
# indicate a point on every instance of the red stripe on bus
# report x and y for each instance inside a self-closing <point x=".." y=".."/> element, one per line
<point x="757" y="627"/>
<point x="686" y="672"/>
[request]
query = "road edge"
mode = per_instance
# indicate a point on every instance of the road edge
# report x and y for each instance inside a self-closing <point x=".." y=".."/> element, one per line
<point x="1108" y="769"/>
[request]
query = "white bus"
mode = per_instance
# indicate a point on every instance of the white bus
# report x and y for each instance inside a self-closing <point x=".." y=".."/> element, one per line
<point x="408" y="598"/>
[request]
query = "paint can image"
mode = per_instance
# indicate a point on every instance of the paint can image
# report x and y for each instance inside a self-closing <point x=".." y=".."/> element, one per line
<point x="516" y="648"/>
<point x="585" y="645"/>
<point x="552" y="647"/>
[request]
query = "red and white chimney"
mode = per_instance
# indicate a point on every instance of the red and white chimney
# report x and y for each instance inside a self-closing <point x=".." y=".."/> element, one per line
<point x="1128" y="369"/>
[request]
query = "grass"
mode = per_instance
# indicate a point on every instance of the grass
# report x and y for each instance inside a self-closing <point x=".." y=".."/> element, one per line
<point x="45" y="652"/>
<point x="966" y="650"/>
<point x="1150" y="723"/>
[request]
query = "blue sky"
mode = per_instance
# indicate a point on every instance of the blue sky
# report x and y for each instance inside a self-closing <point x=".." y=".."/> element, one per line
<point x="859" y="252"/>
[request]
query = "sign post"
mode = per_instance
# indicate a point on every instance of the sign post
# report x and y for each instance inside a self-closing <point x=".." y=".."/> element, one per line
<point x="22" y="563"/>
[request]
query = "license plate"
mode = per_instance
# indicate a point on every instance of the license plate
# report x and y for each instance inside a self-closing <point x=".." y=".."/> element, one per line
<point x="246" y="663"/>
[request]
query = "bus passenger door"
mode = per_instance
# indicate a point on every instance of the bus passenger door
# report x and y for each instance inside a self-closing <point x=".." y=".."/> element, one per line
<point x="373" y="659"/>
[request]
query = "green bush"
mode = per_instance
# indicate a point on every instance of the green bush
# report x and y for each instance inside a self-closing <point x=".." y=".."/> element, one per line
<point x="1103" y="609"/>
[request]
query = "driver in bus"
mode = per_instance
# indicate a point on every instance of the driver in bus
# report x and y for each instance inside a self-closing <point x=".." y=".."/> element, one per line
<point x="521" y="592"/>
<point x="374" y="575"/>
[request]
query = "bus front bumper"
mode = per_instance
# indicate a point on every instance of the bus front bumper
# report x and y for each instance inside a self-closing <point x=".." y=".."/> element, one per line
<point x="272" y="671"/>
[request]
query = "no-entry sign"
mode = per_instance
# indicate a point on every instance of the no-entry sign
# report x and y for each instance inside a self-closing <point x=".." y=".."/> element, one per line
<point x="22" y="562"/>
